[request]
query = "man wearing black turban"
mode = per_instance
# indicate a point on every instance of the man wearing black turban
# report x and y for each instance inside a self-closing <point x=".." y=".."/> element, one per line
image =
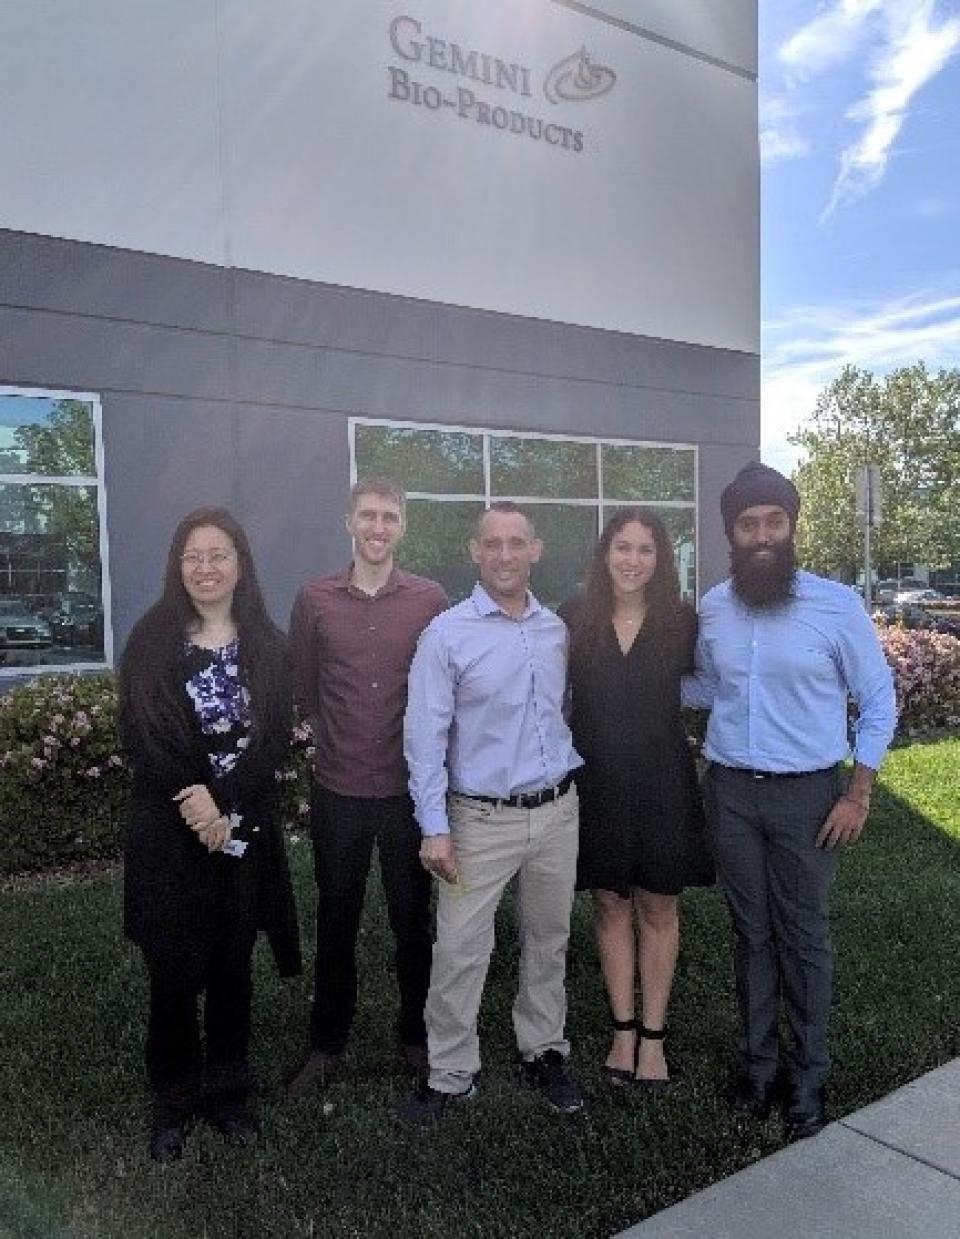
<point x="780" y="653"/>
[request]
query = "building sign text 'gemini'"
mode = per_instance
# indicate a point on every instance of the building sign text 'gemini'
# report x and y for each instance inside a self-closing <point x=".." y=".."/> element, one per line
<point x="498" y="91"/>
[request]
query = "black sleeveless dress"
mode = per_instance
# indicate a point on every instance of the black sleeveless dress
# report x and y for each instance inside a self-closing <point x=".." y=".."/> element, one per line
<point x="641" y="813"/>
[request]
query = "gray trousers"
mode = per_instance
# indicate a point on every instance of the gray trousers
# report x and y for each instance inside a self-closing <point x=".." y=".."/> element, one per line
<point x="777" y="883"/>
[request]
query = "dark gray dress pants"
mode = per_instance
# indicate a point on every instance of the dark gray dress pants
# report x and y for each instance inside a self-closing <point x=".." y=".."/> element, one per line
<point x="777" y="882"/>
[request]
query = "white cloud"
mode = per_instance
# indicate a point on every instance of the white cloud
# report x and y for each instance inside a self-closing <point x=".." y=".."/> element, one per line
<point x="779" y="136"/>
<point x="914" y="53"/>
<point x="828" y="40"/>
<point x="807" y="349"/>
<point x="908" y="46"/>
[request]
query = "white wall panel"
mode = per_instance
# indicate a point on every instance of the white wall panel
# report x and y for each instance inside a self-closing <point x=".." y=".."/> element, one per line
<point x="312" y="170"/>
<point x="110" y="125"/>
<point x="723" y="29"/>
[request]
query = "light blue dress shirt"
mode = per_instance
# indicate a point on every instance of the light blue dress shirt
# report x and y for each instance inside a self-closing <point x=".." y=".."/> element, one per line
<point x="777" y="681"/>
<point x="485" y="706"/>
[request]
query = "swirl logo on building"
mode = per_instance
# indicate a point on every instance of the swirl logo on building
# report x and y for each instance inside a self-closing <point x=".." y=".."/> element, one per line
<point x="576" y="78"/>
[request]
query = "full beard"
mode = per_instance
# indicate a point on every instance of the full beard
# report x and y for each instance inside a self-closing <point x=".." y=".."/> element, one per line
<point x="764" y="583"/>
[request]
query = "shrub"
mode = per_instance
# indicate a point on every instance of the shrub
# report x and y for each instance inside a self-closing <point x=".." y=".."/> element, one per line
<point x="63" y="781"/>
<point x="295" y="777"/>
<point x="926" y="674"/>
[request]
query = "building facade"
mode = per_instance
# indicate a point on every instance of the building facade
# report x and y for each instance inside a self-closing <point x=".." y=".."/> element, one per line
<point x="250" y="252"/>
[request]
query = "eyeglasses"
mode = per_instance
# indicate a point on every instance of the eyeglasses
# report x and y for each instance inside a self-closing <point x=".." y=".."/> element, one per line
<point x="216" y="559"/>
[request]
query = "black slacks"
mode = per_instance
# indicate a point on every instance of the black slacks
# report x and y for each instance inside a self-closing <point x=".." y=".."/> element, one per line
<point x="216" y="964"/>
<point x="344" y="830"/>
<point x="777" y="883"/>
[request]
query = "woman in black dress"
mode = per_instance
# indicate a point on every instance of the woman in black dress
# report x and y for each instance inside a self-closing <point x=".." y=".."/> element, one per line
<point x="642" y="836"/>
<point x="205" y="714"/>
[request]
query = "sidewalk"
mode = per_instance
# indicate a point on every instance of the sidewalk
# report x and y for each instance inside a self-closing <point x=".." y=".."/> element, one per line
<point x="889" y="1171"/>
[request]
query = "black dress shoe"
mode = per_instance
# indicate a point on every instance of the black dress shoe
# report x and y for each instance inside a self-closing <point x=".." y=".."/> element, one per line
<point x="805" y="1113"/>
<point x="427" y="1105"/>
<point x="238" y="1125"/>
<point x="753" y="1098"/>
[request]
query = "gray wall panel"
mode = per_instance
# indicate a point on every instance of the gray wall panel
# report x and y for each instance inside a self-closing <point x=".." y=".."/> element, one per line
<point x="228" y="387"/>
<point x="293" y="482"/>
<point x="415" y="391"/>
<point x="718" y="465"/>
<point x="286" y="374"/>
<point x="276" y="308"/>
<point x="163" y="458"/>
<point x="103" y="354"/>
<point x="46" y="273"/>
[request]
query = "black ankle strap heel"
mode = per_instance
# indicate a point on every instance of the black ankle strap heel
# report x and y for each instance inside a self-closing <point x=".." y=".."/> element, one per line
<point x="650" y="1034"/>
<point x="619" y="1077"/>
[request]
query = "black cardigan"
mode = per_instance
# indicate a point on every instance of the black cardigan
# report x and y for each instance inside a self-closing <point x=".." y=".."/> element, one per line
<point x="168" y="873"/>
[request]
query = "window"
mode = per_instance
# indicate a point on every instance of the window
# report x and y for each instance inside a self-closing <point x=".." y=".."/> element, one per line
<point x="52" y="532"/>
<point x="571" y="483"/>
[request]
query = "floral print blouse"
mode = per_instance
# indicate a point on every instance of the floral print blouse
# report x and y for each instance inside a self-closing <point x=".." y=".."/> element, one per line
<point x="221" y="701"/>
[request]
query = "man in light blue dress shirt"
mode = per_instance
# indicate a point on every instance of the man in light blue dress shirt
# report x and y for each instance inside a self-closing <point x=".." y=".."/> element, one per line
<point x="490" y="758"/>
<point x="779" y="655"/>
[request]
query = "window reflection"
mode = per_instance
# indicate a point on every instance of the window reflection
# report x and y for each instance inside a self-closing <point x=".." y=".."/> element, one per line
<point x="552" y="468"/>
<point x="638" y="474"/>
<point x="435" y="544"/>
<point x="440" y="462"/>
<point x="437" y="462"/>
<point x="39" y="434"/>
<point x="51" y="608"/>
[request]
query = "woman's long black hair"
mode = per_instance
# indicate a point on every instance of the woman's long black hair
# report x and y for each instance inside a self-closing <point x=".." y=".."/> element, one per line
<point x="591" y="622"/>
<point x="152" y="668"/>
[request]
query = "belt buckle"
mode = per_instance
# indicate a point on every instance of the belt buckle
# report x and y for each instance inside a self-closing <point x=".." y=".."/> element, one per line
<point x="758" y="775"/>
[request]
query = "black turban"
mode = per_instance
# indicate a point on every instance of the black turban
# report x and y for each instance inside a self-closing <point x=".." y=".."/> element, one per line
<point x="757" y="484"/>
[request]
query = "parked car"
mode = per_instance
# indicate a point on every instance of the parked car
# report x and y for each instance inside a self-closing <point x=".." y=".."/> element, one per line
<point x="920" y="597"/>
<point x="76" y="620"/>
<point x="20" y="629"/>
<point x="887" y="591"/>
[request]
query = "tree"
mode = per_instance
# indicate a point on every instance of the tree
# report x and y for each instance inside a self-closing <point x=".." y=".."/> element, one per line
<point x="61" y="445"/>
<point x="908" y="424"/>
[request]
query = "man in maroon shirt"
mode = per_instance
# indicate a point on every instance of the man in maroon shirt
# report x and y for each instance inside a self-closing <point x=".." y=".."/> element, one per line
<point x="352" y="637"/>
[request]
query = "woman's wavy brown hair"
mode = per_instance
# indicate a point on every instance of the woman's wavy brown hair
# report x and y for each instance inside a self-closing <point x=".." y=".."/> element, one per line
<point x="595" y="611"/>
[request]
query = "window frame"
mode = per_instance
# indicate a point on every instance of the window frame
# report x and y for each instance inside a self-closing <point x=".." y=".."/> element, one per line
<point x="598" y="442"/>
<point x="81" y="481"/>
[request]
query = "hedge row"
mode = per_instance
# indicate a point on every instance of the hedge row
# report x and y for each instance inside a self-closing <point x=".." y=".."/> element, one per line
<point x="63" y="780"/>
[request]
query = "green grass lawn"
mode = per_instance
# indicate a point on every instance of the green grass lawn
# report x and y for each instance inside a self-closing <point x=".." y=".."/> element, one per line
<point x="72" y="1106"/>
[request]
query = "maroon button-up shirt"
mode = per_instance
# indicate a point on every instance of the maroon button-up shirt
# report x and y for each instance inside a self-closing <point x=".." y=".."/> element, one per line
<point x="351" y="655"/>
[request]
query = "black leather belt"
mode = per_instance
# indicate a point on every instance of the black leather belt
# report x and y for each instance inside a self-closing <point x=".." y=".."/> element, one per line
<point x="774" y="774"/>
<point x="525" y="800"/>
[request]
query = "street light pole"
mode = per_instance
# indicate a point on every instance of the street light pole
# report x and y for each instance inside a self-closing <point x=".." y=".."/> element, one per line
<point x="869" y="515"/>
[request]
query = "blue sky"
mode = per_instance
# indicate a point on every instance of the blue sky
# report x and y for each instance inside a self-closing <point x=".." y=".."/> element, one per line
<point x="860" y="150"/>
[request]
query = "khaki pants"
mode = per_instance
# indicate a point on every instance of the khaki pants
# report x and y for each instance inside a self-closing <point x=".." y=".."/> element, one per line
<point x="491" y="845"/>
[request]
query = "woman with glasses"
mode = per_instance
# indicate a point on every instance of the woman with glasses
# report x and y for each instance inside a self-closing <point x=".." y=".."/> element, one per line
<point x="205" y="713"/>
<point x="642" y="836"/>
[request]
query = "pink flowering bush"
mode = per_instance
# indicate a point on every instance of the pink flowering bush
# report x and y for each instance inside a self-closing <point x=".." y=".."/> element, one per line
<point x="926" y="673"/>
<point x="63" y="780"/>
<point x="294" y="778"/>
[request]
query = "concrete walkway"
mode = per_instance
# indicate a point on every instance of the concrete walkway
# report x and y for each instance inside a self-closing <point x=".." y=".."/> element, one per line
<point x="889" y="1171"/>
